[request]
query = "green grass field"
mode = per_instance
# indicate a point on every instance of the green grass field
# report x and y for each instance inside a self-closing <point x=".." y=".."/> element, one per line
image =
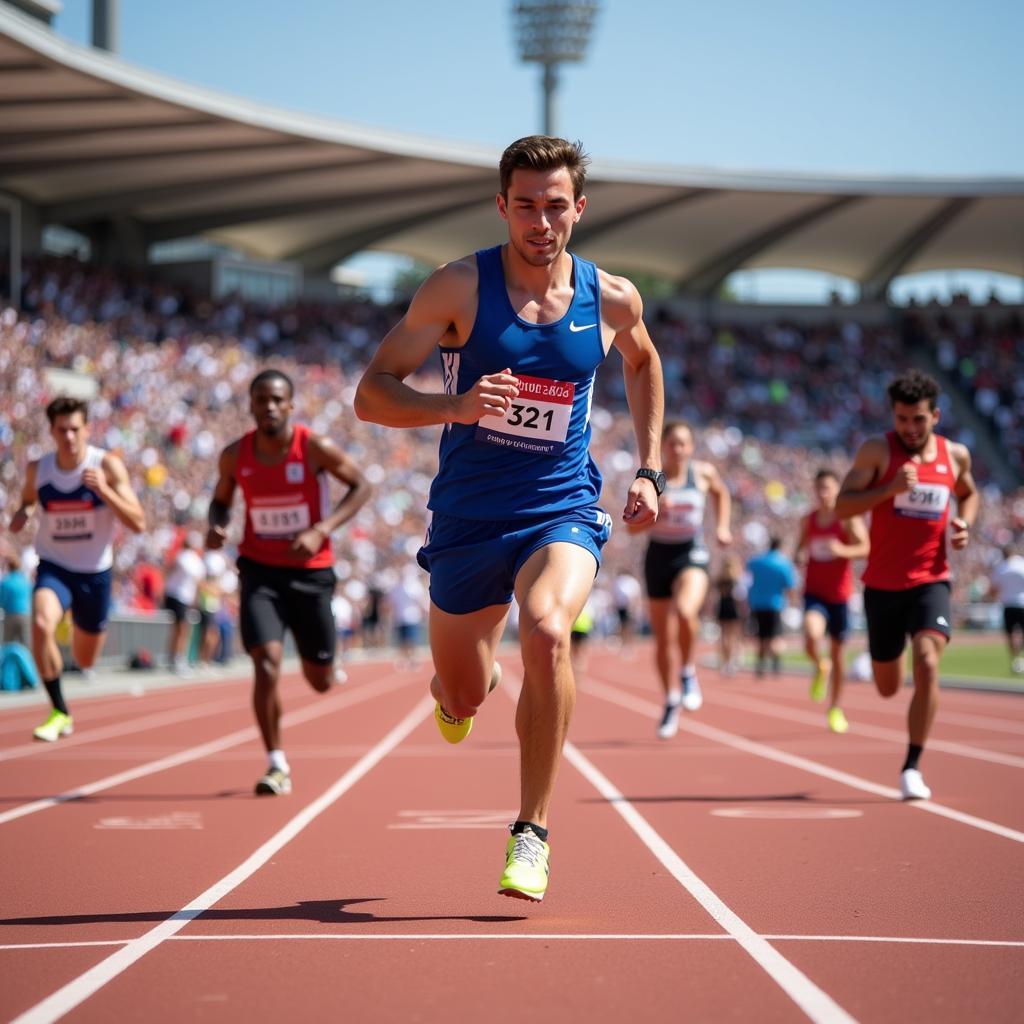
<point x="970" y="657"/>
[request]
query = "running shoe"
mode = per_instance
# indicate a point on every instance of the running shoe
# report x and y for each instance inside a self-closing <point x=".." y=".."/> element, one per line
<point x="819" y="682"/>
<point x="669" y="724"/>
<point x="692" y="697"/>
<point x="274" y="783"/>
<point x="57" y="725"/>
<point x="837" y="721"/>
<point x="1017" y="665"/>
<point x="912" y="785"/>
<point x="453" y="729"/>
<point x="526" y="867"/>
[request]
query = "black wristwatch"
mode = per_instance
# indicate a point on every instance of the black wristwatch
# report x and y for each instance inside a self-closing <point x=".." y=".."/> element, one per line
<point x="655" y="476"/>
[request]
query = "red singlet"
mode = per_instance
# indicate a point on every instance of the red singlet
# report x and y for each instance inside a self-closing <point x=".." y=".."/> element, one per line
<point x="281" y="501"/>
<point x="828" y="577"/>
<point x="908" y="530"/>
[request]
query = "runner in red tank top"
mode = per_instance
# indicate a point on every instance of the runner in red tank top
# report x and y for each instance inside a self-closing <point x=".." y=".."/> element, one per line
<point x="285" y="563"/>
<point x="906" y="479"/>
<point x="829" y="545"/>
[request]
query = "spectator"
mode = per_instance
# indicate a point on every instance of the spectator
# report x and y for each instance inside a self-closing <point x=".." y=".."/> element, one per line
<point x="772" y="576"/>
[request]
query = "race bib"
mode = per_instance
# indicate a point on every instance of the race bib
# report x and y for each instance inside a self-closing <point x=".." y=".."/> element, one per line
<point x="684" y="520"/>
<point x="922" y="501"/>
<point x="821" y="549"/>
<point x="72" y="520"/>
<point x="281" y="522"/>
<point x="538" y="420"/>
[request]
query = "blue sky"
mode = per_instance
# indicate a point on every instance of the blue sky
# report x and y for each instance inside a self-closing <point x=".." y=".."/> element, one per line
<point x="904" y="87"/>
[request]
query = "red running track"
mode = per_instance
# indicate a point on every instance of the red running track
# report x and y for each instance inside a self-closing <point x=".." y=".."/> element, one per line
<point x="755" y="868"/>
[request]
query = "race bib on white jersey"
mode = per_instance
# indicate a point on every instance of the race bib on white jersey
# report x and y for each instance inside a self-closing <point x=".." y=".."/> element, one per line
<point x="71" y="520"/>
<point x="922" y="501"/>
<point x="279" y="521"/>
<point x="538" y="420"/>
<point x="820" y="549"/>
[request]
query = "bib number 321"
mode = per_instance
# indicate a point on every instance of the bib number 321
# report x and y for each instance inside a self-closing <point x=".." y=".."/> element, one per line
<point x="538" y="420"/>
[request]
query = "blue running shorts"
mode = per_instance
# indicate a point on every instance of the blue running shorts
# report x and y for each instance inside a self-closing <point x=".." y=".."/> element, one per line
<point x="87" y="594"/>
<point x="473" y="563"/>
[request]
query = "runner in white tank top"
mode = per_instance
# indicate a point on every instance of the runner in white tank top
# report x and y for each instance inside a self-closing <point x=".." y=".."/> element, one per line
<point x="79" y="490"/>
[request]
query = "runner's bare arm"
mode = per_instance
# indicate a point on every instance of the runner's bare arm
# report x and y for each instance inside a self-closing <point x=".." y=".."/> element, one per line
<point x="800" y="554"/>
<point x="111" y="483"/>
<point x="967" y="498"/>
<point x="29" y="500"/>
<point x="857" y="494"/>
<point x="723" y="504"/>
<point x="858" y="544"/>
<point x="325" y="455"/>
<point x="622" y="312"/>
<point x="441" y="311"/>
<point x="219" y="513"/>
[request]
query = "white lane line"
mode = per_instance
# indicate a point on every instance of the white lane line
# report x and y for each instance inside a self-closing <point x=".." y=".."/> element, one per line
<point x="88" y="984"/>
<point x="135" y="725"/>
<point x="653" y="712"/>
<point x="527" y="937"/>
<point x="315" y="710"/>
<point x="815" y="1003"/>
<point x="762" y="707"/>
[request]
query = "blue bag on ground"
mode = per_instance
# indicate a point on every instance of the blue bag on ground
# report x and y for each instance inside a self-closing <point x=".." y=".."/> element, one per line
<point x="17" y="669"/>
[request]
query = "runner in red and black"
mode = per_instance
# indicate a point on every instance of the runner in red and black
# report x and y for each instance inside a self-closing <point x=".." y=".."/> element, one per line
<point x="285" y="563"/>
<point x="906" y="480"/>
<point x="828" y="545"/>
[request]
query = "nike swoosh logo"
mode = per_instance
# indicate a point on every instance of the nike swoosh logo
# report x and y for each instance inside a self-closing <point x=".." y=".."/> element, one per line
<point x="581" y="327"/>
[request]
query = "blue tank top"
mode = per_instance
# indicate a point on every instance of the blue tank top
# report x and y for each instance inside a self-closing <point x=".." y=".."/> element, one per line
<point x="536" y="460"/>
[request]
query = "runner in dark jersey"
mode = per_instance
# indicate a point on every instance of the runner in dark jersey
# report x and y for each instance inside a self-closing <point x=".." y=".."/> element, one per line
<point x="285" y="563"/>
<point x="906" y="480"/>
<point x="829" y="545"/>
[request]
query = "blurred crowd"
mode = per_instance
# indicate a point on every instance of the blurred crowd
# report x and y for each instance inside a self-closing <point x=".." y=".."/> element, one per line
<point x="770" y="406"/>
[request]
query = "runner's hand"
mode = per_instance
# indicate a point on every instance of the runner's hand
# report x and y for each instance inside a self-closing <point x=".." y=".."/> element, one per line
<point x="724" y="537"/>
<point x="905" y="479"/>
<point x="96" y="481"/>
<point x="641" y="503"/>
<point x="215" y="538"/>
<point x="18" y="521"/>
<point x="307" y="543"/>
<point x="491" y="395"/>
<point x="961" y="534"/>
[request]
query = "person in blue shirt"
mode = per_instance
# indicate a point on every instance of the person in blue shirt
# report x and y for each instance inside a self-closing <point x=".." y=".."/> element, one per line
<point x="15" y="600"/>
<point x="771" y="575"/>
<point x="521" y="329"/>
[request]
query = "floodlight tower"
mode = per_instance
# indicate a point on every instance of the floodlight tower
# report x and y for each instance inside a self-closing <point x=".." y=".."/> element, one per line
<point x="553" y="32"/>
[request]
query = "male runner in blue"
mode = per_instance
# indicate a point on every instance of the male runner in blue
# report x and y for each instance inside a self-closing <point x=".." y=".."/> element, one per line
<point x="522" y="329"/>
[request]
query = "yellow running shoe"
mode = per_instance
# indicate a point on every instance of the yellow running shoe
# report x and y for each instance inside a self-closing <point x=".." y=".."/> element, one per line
<point x="57" y="725"/>
<point x="526" y="867"/>
<point x="453" y="729"/>
<point x="819" y="682"/>
<point x="837" y="720"/>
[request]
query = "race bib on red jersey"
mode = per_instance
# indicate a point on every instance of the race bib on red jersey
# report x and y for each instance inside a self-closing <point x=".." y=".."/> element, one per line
<point x="922" y="501"/>
<point x="538" y="420"/>
<point x="279" y="519"/>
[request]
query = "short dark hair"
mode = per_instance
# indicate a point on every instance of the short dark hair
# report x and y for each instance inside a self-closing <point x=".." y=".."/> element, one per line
<point x="826" y="474"/>
<point x="269" y="375"/>
<point x="544" y="153"/>
<point x="65" y="405"/>
<point x="774" y="543"/>
<point x="912" y="387"/>
<point x="671" y="425"/>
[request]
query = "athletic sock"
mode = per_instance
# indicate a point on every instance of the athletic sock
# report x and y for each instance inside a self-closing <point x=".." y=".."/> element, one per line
<point x="56" y="696"/>
<point x="688" y="671"/>
<point x="278" y="760"/>
<point x="913" y="753"/>
<point x="540" y="833"/>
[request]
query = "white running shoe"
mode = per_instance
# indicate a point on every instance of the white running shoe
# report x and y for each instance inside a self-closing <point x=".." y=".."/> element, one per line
<point x="669" y="724"/>
<point x="912" y="785"/>
<point x="692" y="697"/>
<point x="1018" y="666"/>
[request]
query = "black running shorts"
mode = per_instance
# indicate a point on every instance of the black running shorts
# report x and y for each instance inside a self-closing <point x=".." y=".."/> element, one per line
<point x="274" y="598"/>
<point x="1013" y="620"/>
<point x="664" y="562"/>
<point x="893" y="615"/>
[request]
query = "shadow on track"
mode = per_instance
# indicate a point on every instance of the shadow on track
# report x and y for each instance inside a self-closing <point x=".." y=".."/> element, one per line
<point x="322" y="911"/>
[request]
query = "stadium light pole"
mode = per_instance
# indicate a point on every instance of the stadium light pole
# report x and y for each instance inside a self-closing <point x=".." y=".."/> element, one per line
<point x="551" y="33"/>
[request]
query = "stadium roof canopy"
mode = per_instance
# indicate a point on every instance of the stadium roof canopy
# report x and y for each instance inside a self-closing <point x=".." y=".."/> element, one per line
<point x="87" y="141"/>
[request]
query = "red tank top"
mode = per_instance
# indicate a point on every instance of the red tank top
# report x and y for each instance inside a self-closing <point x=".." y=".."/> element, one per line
<point x="908" y="530"/>
<point x="281" y="501"/>
<point x="828" y="577"/>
